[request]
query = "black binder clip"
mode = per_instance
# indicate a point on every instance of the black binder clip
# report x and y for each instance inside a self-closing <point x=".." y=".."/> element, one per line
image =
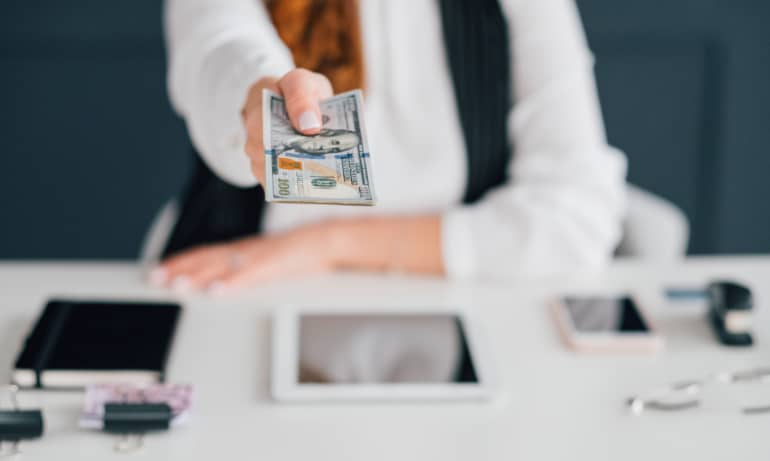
<point x="730" y="312"/>
<point x="730" y="306"/>
<point x="17" y="424"/>
<point x="133" y="420"/>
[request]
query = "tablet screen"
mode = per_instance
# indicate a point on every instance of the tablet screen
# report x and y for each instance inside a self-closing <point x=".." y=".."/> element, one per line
<point x="382" y="349"/>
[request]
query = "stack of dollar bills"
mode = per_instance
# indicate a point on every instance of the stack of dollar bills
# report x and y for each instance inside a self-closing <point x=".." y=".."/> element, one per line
<point x="331" y="167"/>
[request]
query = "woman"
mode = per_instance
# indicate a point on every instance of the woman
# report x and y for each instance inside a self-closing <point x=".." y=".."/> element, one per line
<point x="485" y="129"/>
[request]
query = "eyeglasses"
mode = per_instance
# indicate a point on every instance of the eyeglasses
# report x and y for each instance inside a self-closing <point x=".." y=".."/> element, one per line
<point x="685" y="395"/>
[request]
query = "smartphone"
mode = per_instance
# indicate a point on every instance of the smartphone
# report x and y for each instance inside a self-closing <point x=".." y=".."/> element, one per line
<point x="605" y="324"/>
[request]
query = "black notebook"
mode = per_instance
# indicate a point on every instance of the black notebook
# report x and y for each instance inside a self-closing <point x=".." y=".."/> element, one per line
<point x="76" y="343"/>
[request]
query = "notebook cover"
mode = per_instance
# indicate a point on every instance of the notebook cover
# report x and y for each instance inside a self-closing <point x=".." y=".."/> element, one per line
<point x="100" y="336"/>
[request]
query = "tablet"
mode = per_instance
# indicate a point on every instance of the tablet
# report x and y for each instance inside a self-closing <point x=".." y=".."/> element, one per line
<point x="333" y="354"/>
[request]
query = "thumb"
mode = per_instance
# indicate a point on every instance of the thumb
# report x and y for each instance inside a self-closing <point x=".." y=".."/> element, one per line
<point x="302" y="91"/>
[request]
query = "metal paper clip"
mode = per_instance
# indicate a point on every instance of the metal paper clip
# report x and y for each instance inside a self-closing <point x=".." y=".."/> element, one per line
<point x="687" y="394"/>
<point x="17" y="424"/>
<point x="129" y="443"/>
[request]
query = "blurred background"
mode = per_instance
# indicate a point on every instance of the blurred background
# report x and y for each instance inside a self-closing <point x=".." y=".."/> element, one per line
<point x="90" y="149"/>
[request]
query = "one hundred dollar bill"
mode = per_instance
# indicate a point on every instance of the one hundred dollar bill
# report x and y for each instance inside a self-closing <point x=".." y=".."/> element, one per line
<point x="331" y="167"/>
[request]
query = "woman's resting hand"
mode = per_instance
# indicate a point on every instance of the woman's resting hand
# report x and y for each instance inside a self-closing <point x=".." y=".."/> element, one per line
<point x="240" y="263"/>
<point x="396" y="243"/>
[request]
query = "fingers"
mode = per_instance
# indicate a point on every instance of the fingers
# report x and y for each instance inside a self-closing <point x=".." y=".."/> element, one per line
<point x="211" y="267"/>
<point x="293" y="254"/>
<point x="246" y="277"/>
<point x="244" y="262"/>
<point x="302" y="90"/>
<point x="196" y="269"/>
<point x="255" y="152"/>
<point x="252" y="120"/>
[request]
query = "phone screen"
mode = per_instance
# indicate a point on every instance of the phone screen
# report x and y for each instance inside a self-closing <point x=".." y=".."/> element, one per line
<point x="605" y="315"/>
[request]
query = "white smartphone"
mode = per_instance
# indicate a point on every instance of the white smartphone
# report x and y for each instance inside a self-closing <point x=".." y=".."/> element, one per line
<point x="605" y="324"/>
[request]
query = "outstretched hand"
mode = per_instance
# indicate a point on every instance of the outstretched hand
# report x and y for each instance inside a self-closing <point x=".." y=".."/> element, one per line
<point x="302" y="90"/>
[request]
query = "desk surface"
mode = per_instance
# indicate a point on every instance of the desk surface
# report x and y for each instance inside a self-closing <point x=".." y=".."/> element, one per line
<point x="552" y="404"/>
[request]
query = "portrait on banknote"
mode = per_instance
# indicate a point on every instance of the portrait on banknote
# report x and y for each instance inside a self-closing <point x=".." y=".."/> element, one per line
<point x="328" y="141"/>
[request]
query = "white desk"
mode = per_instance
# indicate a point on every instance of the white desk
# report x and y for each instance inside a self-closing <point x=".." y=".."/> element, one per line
<point x="552" y="405"/>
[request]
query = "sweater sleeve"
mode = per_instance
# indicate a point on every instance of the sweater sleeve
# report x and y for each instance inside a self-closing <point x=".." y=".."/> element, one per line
<point x="216" y="50"/>
<point x="562" y="207"/>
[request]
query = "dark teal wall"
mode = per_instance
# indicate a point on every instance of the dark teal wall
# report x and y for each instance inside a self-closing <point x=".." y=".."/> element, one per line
<point x="89" y="147"/>
<point x="685" y="87"/>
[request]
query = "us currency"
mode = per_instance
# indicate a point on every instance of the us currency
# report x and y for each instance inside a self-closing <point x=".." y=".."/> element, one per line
<point x="333" y="166"/>
<point x="177" y="396"/>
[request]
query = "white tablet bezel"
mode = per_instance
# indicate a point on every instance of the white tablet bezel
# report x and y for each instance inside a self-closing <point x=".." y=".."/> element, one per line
<point x="285" y="386"/>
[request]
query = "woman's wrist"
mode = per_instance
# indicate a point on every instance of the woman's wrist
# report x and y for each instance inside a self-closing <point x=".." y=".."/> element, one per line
<point x="254" y="95"/>
<point x="322" y="241"/>
<point x="340" y="242"/>
<point x="409" y="244"/>
<point x="349" y="243"/>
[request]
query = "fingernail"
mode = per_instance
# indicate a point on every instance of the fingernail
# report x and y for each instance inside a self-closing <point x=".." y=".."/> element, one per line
<point x="181" y="284"/>
<point x="158" y="276"/>
<point x="309" y="121"/>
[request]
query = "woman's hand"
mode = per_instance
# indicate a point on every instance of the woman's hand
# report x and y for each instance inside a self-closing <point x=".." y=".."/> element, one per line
<point x="402" y="244"/>
<point x="302" y="90"/>
<point x="240" y="263"/>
